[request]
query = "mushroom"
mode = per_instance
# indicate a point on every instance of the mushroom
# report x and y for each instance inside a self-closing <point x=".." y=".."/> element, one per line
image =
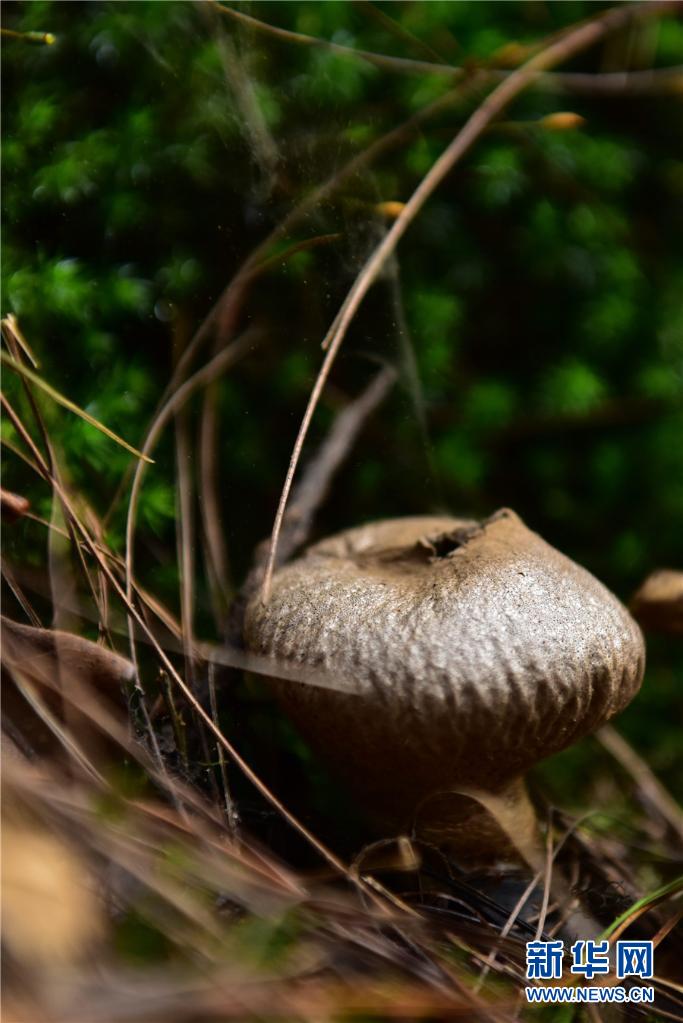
<point x="452" y="655"/>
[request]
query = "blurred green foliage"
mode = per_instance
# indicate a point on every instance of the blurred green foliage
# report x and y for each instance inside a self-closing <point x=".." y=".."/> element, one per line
<point x="154" y="145"/>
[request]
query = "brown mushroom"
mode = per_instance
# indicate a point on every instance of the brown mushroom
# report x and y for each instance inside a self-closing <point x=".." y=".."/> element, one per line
<point x="452" y="655"/>
<point x="658" y="603"/>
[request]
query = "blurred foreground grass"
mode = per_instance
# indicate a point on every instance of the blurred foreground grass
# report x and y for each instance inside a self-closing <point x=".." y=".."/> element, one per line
<point x="536" y="320"/>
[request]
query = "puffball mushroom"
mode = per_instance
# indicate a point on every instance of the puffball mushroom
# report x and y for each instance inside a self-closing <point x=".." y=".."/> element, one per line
<point x="452" y="655"/>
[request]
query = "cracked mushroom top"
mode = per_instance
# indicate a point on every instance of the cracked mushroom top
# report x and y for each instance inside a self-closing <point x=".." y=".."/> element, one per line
<point x="478" y="644"/>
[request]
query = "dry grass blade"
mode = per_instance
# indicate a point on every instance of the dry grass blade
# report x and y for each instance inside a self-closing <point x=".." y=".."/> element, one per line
<point x="213" y="533"/>
<point x="11" y="328"/>
<point x="381" y="60"/>
<point x="668" y="891"/>
<point x="223" y="313"/>
<point x="60" y="399"/>
<point x="138" y="620"/>
<point x="643" y="82"/>
<point x="204" y="376"/>
<point x="49" y="473"/>
<point x="547" y="880"/>
<point x="650" y="787"/>
<point x="13" y="505"/>
<point x="667" y="928"/>
<point x="569" y="44"/>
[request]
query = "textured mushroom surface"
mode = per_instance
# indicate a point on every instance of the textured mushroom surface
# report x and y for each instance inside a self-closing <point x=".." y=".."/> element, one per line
<point x="463" y="653"/>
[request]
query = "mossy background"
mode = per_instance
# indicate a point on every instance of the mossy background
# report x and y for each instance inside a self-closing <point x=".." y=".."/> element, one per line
<point x="540" y="289"/>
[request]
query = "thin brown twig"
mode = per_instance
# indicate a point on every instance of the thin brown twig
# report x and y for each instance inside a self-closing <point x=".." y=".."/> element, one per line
<point x="63" y="735"/>
<point x="610" y="83"/>
<point x="547" y="879"/>
<point x="326" y="854"/>
<point x="333" y="451"/>
<point x="112" y="729"/>
<point x="224" y="310"/>
<point x="230" y="810"/>
<point x="569" y="44"/>
<point x="646" y="781"/>
<point x="398" y="30"/>
<point x="51" y="478"/>
<point x="384" y="61"/>
<point x="19" y="594"/>
<point x="16" y="450"/>
<point x="185" y="538"/>
<point x="225" y="307"/>
<point x="216" y="555"/>
<point x="61" y="576"/>
<point x="309" y="495"/>
<point x="238" y="349"/>
<point x="185" y="535"/>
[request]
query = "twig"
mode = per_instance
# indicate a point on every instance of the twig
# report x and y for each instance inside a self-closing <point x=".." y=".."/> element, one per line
<point x="334" y="450"/>
<point x="203" y="376"/>
<point x="185" y="536"/>
<point x="326" y="854"/>
<point x="62" y="734"/>
<point x="71" y="406"/>
<point x="650" y="786"/>
<point x="13" y="505"/>
<point x="53" y="479"/>
<point x="216" y="556"/>
<point x="225" y="307"/>
<point x="313" y="488"/>
<point x="655" y="81"/>
<point x="254" y="124"/>
<point x="611" y="83"/>
<point x="231" y="812"/>
<point x="19" y="595"/>
<point x="224" y="311"/>
<point x="398" y="30"/>
<point x="548" y="877"/>
<point x="572" y="42"/>
<point x="380" y="60"/>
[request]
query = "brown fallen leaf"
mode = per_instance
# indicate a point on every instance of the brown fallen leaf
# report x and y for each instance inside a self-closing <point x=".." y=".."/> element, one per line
<point x="61" y="672"/>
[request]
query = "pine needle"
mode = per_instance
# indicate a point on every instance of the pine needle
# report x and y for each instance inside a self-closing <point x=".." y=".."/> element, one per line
<point x="66" y="403"/>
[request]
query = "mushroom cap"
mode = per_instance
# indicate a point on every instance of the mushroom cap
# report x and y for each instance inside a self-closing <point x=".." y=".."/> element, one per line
<point x="452" y="653"/>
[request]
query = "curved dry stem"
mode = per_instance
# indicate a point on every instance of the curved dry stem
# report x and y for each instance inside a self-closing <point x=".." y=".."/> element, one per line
<point x="201" y="378"/>
<point x="570" y="43"/>
<point x="331" y="858"/>
<point x="215" y="550"/>
<point x="77" y="526"/>
<point x="385" y="61"/>
<point x="226" y="305"/>
<point x="645" y="779"/>
<point x="216" y="555"/>
<point x="225" y="309"/>
<point x="643" y="82"/>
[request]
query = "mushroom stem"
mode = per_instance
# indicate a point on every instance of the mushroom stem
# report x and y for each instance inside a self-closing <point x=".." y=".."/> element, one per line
<point x="480" y="825"/>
